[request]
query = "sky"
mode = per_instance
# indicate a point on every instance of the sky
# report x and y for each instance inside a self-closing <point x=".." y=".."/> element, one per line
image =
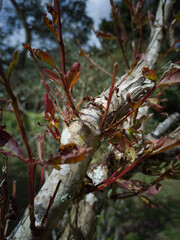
<point x="97" y="9"/>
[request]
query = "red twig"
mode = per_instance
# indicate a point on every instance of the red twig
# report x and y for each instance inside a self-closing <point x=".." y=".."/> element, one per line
<point x="115" y="13"/>
<point x="169" y="50"/>
<point x="102" y="185"/>
<point x="41" y="141"/>
<point x="110" y="93"/>
<point x="61" y="44"/>
<point x="50" y="204"/>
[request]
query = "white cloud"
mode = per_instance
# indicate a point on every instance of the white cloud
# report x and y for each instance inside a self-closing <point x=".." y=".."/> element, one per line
<point x="97" y="10"/>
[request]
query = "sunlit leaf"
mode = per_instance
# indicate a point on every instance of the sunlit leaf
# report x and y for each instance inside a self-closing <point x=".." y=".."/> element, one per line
<point x="48" y="105"/>
<point x="153" y="100"/>
<point x="54" y="14"/>
<point x="9" y="146"/>
<point x="13" y="63"/>
<point x="55" y="77"/>
<point x="132" y="153"/>
<point x="147" y="202"/>
<point x="27" y="46"/>
<point x="49" y="24"/>
<point x="44" y="57"/>
<point x="68" y="154"/>
<point x="149" y="73"/>
<point x="106" y="35"/>
<point x="73" y="74"/>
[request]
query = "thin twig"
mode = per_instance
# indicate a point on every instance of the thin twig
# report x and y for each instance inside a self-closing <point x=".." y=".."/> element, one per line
<point x="111" y="91"/>
<point x="115" y="13"/>
<point x="50" y="204"/>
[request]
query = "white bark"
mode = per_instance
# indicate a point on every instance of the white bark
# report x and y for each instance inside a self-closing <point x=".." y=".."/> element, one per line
<point x="166" y="124"/>
<point x="156" y="37"/>
<point x="85" y="132"/>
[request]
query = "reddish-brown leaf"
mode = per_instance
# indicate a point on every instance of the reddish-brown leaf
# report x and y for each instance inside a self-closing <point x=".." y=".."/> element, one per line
<point x="27" y="46"/>
<point x="9" y="146"/>
<point x="149" y="73"/>
<point x="49" y="105"/>
<point x="44" y="57"/>
<point x="49" y="24"/>
<point x="54" y="76"/>
<point x="170" y="78"/>
<point x="167" y="145"/>
<point x="54" y="14"/>
<point x="73" y="74"/>
<point x="156" y="107"/>
<point x="106" y="35"/>
<point x="137" y="186"/>
<point x="68" y="154"/>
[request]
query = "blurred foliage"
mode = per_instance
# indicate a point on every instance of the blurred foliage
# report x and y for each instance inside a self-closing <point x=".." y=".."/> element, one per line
<point x="129" y="219"/>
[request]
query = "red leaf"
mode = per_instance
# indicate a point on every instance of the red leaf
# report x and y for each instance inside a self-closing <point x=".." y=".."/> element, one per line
<point x="170" y="78"/>
<point x="49" y="105"/>
<point x="106" y="35"/>
<point x="9" y="146"/>
<point x="44" y="57"/>
<point x="55" y="77"/>
<point x="73" y="74"/>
